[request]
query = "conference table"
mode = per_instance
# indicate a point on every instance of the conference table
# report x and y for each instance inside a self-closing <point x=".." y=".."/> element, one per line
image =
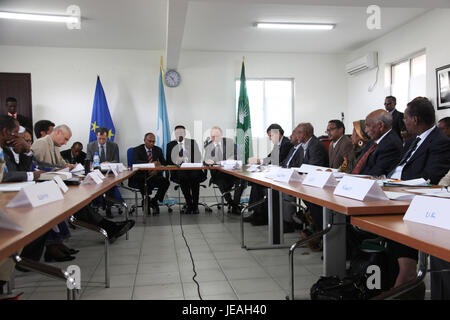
<point x="39" y="220"/>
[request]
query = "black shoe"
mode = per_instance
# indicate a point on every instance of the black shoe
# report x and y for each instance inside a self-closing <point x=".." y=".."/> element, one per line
<point x="186" y="209"/>
<point x="108" y="212"/>
<point x="195" y="210"/>
<point x="19" y="268"/>
<point x="154" y="205"/>
<point x="66" y="249"/>
<point x="53" y="253"/>
<point x="236" y="209"/>
<point x="120" y="230"/>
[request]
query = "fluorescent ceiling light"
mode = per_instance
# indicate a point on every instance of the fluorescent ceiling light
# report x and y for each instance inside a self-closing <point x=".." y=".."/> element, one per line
<point x="38" y="17"/>
<point x="294" y="26"/>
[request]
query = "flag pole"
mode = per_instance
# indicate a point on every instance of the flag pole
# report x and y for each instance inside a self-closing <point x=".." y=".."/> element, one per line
<point x="162" y="68"/>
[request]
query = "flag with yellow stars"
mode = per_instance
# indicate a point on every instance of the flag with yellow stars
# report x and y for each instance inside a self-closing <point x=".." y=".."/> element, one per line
<point x="100" y="114"/>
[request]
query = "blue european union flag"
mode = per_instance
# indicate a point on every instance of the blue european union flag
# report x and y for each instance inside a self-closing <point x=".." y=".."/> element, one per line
<point x="163" y="127"/>
<point x="100" y="114"/>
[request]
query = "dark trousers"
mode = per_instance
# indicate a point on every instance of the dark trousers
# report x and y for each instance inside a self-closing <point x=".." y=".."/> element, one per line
<point x="440" y="281"/>
<point x="225" y="183"/>
<point x="316" y="215"/>
<point x="156" y="181"/>
<point x="34" y="249"/>
<point x="189" y="182"/>
<point x="257" y="193"/>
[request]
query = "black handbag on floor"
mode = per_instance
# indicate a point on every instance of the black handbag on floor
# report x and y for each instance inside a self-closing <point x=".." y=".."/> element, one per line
<point x="333" y="288"/>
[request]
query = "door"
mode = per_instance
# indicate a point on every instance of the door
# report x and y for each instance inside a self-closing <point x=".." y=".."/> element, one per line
<point x="16" y="85"/>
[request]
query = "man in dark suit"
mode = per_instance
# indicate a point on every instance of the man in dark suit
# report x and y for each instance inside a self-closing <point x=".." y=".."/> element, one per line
<point x="180" y="151"/>
<point x="281" y="147"/>
<point x="11" y="105"/>
<point x="108" y="151"/>
<point x="398" y="125"/>
<point x="340" y="145"/>
<point x="427" y="155"/>
<point x="383" y="151"/>
<point x="149" y="153"/>
<point x="314" y="153"/>
<point x="218" y="149"/>
<point x="75" y="154"/>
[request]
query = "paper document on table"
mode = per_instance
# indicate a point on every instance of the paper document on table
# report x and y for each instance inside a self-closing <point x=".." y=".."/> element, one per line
<point x="421" y="182"/>
<point x="399" y="195"/>
<point x="307" y="168"/>
<point x="192" y="165"/>
<point x="14" y="187"/>
<point x="254" y="168"/>
<point x="434" y="192"/>
<point x="7" y="223"/>
<point x="78" y="168"/>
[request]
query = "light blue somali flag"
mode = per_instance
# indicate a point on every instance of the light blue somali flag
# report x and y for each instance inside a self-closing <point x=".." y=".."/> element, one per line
<point x="163" y="127"/>
<point x="100" y="114"/>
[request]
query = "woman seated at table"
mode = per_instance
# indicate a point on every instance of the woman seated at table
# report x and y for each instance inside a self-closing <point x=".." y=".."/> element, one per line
<point x="359" y="139"/>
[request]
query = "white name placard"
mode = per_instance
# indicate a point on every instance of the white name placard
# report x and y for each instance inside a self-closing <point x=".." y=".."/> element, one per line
<point x="37" y="195"/>
<point x="143" y="165"/>
<point x="7" y="223"/>
<point x="320" y="179"/>
<point x="91" y="178"/>
<point x="191" y="165"/>
<point x="429" y="210"/>
<point x="359" y="189"/>
<point x="99" y="174"/>
<point x="287" y="175"/>
<point x="64" y="188"/>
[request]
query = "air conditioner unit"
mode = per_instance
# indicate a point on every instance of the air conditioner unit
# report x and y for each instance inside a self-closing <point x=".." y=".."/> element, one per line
<point x="366" y="62"/>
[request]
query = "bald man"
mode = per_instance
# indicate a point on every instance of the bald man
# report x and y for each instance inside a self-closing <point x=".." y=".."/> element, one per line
<point x="383" y="151"/>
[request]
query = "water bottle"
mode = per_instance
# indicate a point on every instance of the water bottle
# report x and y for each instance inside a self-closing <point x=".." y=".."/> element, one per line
<point x="96" y="163"/>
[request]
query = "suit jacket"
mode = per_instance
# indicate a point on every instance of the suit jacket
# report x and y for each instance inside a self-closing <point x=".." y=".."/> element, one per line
<point x="16" y="172"/>
<point x="341" y="150"/>
<point x="112" y="151"/>
<point x="140" y="156"/>
<point x="67" y="155"/>
<point x="25" y="122"/>
<point x="385" y="156"/>
<point x="191" y="151"/>
<point x="445" y="181"/>
<point x="316" y="153"/>
<point x="43" y="152"/>
<point x="285" y="148"/>
<point x="229" y="151"/>
<point x="431" y="160"/>
<point x="397" y="122"/>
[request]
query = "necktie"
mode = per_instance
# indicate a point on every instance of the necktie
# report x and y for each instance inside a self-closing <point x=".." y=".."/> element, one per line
<point x="150" y="155"/>
<point x="363" y="160"/>
<point x="102" y="154"/>
<point x="180" y="153"/>
<point x="13" y="115"/>
<point x="409" y="152"/>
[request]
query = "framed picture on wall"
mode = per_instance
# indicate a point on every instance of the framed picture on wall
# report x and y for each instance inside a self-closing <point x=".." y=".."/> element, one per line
<point x="443" y="87"/>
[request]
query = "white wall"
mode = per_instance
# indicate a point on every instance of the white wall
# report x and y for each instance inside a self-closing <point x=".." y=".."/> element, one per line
<point x="429" y="32"/>
<point x="63" y="85"/>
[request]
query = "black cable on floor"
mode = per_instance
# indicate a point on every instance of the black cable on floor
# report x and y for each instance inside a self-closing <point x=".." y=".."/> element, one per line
<point x="192" y="259"/>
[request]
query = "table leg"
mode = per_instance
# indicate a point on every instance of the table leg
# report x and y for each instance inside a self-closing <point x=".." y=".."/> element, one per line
<point x="145" y="211"/>
<point x="334" y="245"/>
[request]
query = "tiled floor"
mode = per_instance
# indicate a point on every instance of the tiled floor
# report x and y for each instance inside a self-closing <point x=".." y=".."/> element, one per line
<point x="154" y="263"/>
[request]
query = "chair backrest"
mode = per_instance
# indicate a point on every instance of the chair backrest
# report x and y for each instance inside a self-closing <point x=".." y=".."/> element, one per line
<point x="130" y="156"/>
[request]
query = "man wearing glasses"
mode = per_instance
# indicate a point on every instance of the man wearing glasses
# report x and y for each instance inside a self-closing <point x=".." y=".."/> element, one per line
<point x="340" y="145"/>
<point x="398" y="124"/>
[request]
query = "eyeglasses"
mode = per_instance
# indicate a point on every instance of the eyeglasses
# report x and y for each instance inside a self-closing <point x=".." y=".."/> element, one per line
<point x="330" y="129"/>
<point x="387" y="103"/>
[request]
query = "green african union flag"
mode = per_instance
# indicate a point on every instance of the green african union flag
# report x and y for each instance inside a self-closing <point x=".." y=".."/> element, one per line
<point x="243" y="127"/>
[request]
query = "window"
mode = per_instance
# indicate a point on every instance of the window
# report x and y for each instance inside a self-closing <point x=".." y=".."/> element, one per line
<point x="408" y="80"/>
<point x="271" y="101"/>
